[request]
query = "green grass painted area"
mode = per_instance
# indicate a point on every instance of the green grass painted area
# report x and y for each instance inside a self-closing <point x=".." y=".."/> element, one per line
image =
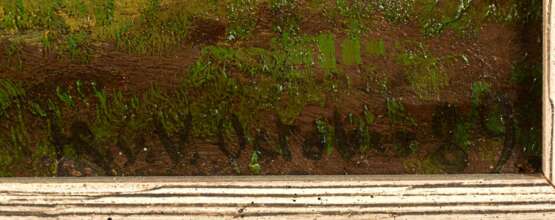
<point x="424" y="72"/>
<point x="375" y="47"/>
<point x="326" y="45"/>
<point x="335" y="81"/>
<point x="350" y="51"/>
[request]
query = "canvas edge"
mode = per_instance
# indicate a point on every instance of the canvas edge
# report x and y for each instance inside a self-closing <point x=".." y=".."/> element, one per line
<point x="548" y="93"/>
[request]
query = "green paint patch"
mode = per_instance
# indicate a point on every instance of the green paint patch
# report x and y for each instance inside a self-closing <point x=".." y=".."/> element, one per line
<point x="354" y="13"/>
<point x="461" y="136"/>
<point x="350" y="51"/>
<point x="326" y="133"/>
<point x="254" y="165"/>
<point x="105" y="11"/>
<point x="488" y="107"/>
<point x="65" y="97"/>
<point x="9" y="92"/>
<point x="152" y="33"/>
<point x="240" y="14"/>
<point x="396" y="112"/>
<point x="287" y="16"/>
<point x="450" y="14"/>
<point x="424" y="72"/>
<point x="297" y="49"/>
<point x="368" y="116"/>
<point x="77" y="46"/>
<point x="398" y="11"/>
<point x="479" y="90"/>
<point x="375" y="47"/>
<point x="326" y="44"/>
<point x="301" y="56"/>
<point x="494" y="121"/>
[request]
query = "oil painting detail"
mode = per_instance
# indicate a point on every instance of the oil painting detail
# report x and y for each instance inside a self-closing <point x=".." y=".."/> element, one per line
<point x="263" y="87"/>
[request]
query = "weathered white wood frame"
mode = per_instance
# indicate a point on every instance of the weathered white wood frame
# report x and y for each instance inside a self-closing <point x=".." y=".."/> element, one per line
<point x="294" y="197"/>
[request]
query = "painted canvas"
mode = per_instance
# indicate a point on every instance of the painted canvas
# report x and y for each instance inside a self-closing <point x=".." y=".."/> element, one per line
<point x="269" y="87"/>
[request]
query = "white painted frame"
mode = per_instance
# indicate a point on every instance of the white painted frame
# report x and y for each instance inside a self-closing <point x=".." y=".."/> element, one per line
<point x="295" y="197"/>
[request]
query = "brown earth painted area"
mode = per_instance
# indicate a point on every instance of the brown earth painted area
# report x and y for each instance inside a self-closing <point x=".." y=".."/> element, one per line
<point x="479" y="114"/>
